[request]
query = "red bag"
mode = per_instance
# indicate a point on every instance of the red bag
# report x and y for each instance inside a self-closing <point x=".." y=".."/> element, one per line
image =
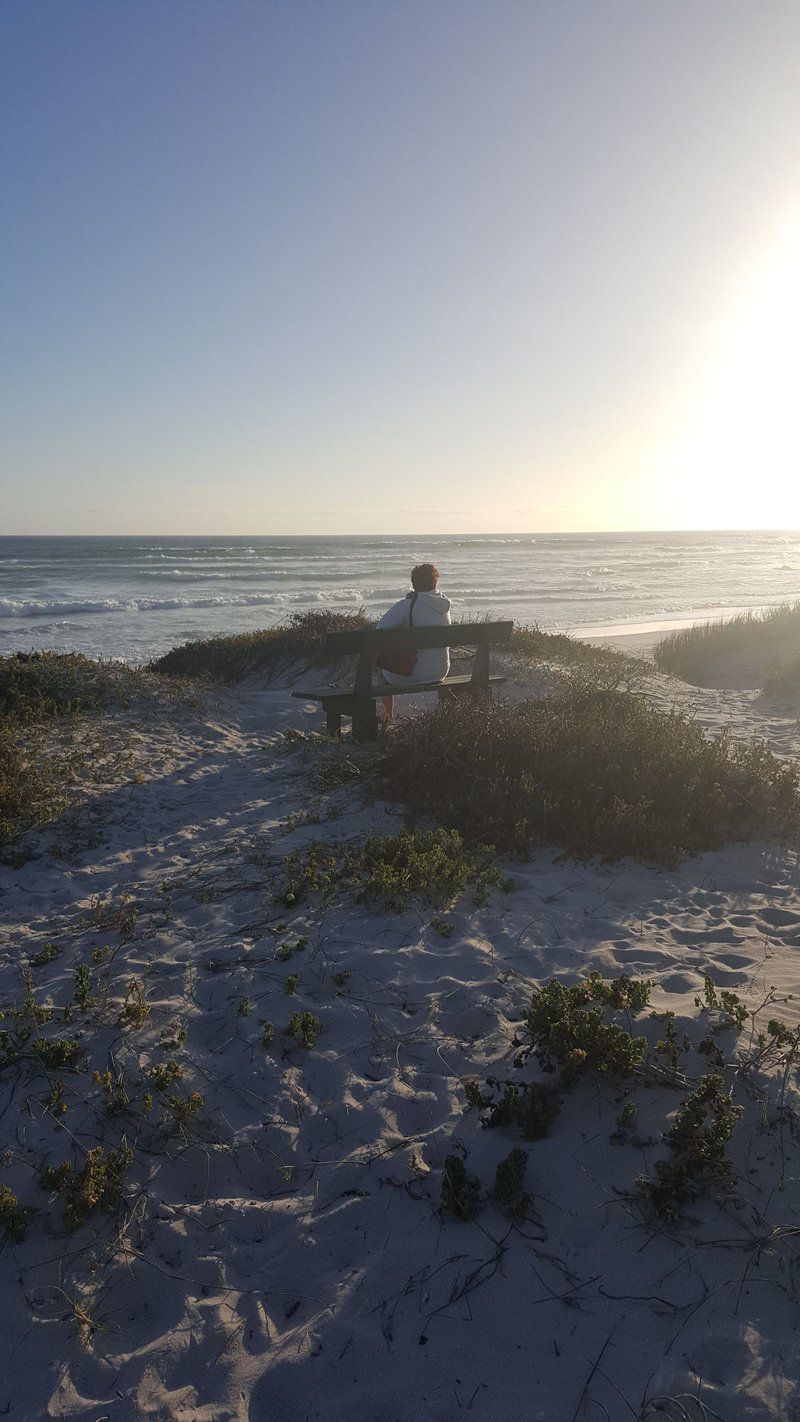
<point x="399" y="663"/>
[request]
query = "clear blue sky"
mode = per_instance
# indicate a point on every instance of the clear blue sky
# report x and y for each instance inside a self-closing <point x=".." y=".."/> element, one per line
<point x="399" y="265"/>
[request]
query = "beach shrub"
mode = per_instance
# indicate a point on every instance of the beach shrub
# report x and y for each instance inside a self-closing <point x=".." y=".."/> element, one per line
<point x="460" y="1190"/>
<point x="598" y="772"/>
<point x="697" y="1163"/>
<point x="435" y="865"/>
<point x="97" y="1186"/>
<point x="14" y="1218"/>
<point x="41" y="686"/>
<point x="508" y="1193"/>
<point x="230" y="659"/>
<point x="566" y="1026"/>
<point x="760" y="647"/>
<point x="304" y="1027"/>
<point x="529" y="1107"/>
<point x="31" y="785"/>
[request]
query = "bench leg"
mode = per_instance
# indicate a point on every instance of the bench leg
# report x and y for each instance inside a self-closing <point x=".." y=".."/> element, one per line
<point x="334" y="721"/>
<point x="365" y="721"/>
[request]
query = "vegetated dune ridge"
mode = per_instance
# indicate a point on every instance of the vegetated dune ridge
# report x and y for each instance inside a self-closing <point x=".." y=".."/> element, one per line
<point x="754" y="649"/>
<point x="277" y="1249"/>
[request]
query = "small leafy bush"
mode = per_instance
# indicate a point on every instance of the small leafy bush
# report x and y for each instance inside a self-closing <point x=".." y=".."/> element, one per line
<point x="305" y="1027"/>
<point x="135" y="1008"/>
<point x="697" y="1163"/>
<point x="730" y="1011"/>
<point x="98" y="1186"/>
<point x="567" y="1027"/>
<point x="460" y="1190"/>
<point x="508" y="1193"/>
<point x="435" y="865"/>
<point x="596" y="772"/>
<point x="14" y="1218"/>
<point x="41" y="686"/>
<point x="529" y="1107"/>
<point x="162" y="1074"/>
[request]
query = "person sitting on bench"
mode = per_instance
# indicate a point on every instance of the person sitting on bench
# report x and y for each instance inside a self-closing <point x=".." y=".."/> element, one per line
<point x="424" y="607"/>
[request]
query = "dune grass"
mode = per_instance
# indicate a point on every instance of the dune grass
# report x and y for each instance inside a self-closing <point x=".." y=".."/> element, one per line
<point x="784" y="680"/>
<point x="595" y="771"/>
<point x="769" y="641"/>
<point x="534" y="645"/>
<point x="301" y="639"/>
<point x="231" y="659"/>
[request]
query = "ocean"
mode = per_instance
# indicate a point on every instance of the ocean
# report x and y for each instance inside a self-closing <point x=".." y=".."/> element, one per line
<point x="133" y="598"/>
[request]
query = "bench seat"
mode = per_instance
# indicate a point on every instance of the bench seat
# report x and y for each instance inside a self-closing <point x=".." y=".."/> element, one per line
<point x="380" y="688"/>
<point x="358" y="700"/>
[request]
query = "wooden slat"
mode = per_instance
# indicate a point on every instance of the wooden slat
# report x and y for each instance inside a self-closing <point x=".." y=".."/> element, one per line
<point x="380" y="688"/>
<point x="460" y="634"/>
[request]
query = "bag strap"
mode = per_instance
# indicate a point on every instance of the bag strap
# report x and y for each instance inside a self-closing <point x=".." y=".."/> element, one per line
<point x="414" y="597"/>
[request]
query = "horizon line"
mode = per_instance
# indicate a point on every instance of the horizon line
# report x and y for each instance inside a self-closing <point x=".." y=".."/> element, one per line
<point x="498" y="533"/>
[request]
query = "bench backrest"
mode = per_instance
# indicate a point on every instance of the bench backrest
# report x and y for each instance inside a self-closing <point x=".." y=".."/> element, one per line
<point x="459" y="634"/>
<point x="479" y="635"/>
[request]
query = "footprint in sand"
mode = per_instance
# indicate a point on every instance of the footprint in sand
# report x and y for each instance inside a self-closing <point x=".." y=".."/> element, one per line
<point x="678" y="982"/>
<point x="780" y="918"/>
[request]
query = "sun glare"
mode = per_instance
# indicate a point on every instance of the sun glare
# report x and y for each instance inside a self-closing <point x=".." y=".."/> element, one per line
<point x="737" y="464"/>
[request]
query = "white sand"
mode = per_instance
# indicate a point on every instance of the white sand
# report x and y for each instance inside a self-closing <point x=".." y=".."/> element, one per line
<point x="286" y="1261"/>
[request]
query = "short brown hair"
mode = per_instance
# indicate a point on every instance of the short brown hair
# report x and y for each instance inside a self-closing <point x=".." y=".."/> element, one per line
<point x="424" y="577"/>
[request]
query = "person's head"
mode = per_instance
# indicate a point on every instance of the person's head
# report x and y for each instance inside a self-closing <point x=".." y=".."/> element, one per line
<point x="424" y="577"/>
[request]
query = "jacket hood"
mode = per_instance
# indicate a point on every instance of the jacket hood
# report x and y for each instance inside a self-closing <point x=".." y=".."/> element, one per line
<point x="433" y="599"/>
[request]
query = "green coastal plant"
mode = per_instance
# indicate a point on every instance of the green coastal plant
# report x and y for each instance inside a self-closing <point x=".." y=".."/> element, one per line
<point x="697" y="1139"/>
<point x="529" y="1107"/>
<point x="14" y="1218"/>
<point x="43" y="686"/>
<point x="508" y="1193"/>
<point x="305" y="1027"/>
<point x="728" y="1009"/>
<point x="81" y="994"/>
<point x="31" y="784"/>
<point x="532" y="645"/>
<point x="230" y="659"/>
<point x="597" y="772"/>
<point x="567" y="1027"/>
<point x="98" y="1185"/>
<point x="435" y="865"/>
<point x="162" y="1074"/>
<point x="460" y="1190"/>
<point x="703" y="654"/>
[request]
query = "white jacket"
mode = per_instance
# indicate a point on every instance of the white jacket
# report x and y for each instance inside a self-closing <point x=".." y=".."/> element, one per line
<point x="431" y="609"/>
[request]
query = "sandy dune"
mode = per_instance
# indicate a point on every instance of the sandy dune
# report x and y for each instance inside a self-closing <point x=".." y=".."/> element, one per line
<point x="284" y="1257"/>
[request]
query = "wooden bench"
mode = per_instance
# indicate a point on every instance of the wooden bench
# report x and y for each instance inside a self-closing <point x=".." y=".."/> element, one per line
<point x="359" y="700"/>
